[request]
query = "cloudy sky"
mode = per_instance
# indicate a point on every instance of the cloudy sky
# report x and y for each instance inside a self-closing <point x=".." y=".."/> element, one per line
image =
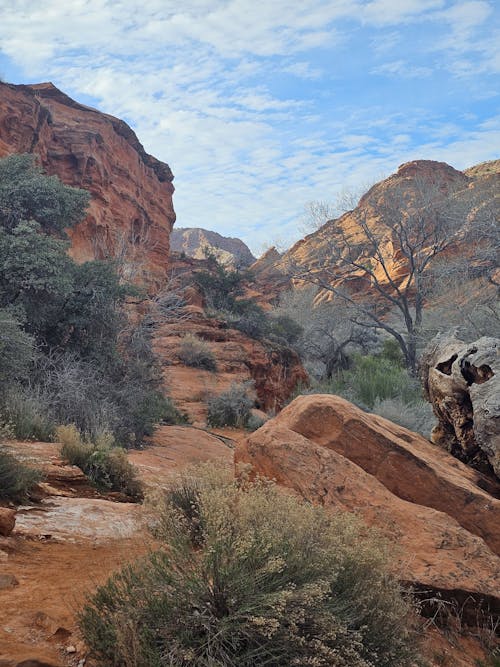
<point x="261" y="107"/>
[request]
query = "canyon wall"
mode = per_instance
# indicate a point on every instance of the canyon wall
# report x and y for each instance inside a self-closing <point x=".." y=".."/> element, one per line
<point x="131" y="214"/>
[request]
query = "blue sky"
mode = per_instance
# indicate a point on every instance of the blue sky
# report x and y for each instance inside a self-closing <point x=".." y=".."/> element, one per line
<point x="260" y="108"/>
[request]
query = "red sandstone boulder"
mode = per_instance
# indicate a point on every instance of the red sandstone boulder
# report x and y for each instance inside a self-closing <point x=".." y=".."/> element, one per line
<point x="7" y="521"/>
<point x="446" y="524"/>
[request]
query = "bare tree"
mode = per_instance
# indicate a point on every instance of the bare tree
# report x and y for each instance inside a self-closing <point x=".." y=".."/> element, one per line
<point x="329" y="335"/>
<point x="378" y="259"/>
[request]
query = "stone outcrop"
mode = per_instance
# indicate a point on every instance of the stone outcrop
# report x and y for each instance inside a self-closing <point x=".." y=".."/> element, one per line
<point x="7" y="521"/>
<point x="275" y="372"/>
<point x="444" y="516"/>
<point x="131" y="212"/>
<point x="462" y="381"/>
<point x="196" y="243"/>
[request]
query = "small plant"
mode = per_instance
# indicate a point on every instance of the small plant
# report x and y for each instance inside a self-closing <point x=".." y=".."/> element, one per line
<point x="27" y="414"/>
<point x="254" y="422"/>
<point x="105" y="464"/>
<point x="252" y="576"/>
<point x="231" y="407"/>
<point x="197" y="353"/>
<point x="16" y="478"/>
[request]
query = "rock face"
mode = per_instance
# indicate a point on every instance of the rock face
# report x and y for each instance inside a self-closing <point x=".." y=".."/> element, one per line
<point x="462" y="381"/>
<point x="275" y="373"/>
<point x="444" y="516"/>
<point x="131" y="212"/>
<point x="196" y="242"/>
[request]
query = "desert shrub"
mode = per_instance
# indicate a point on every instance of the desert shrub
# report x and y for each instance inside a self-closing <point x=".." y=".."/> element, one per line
<point x="251" y="320"/>
<point x="231" y="407"/>
<point x="16" y="478"/>
<point x="221" y="286"/>
<point x="64" y="335"/>
<point x="197" y="353"/>
<point x="252" y="576"/>
<point x="17" y="349"/>
<point x="284" y="329"/>
<point x="416" y="416"/>
<point x="375" y="377"/>
<point x="28" y="413"/>
<point x="254" y="422"/>
<point x="26" y="193"/>
<point x="105" y="464"/>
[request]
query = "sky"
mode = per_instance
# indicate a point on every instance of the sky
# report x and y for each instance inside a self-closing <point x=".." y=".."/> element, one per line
<point x="262" y="107"/>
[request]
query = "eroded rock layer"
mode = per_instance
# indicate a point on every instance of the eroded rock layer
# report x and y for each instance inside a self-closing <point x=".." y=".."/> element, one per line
<point x="131" y="212"/>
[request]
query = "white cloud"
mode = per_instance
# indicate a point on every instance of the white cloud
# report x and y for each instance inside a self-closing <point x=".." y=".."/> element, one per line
<point x="206" y="85"/>
<point x="403" y="69"/>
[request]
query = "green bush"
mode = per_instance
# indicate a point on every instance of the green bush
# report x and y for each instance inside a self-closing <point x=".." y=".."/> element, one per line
<point x="105" y="464"/>
<point x="251" y="576"/>
<point x="28" y="413"/>
<point x="197" y="353"/>
<point x="373" y="378"/>
<point x="65" y="341"/>
<point x="16" y="478"/>
<point x="231" y="407"/>
<point x="17" y="349"/>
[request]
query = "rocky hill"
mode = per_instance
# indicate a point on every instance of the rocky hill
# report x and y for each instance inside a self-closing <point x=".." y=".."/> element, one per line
<point x="131" y="212"/>
<point x="472" y="194"/>
<point x="196" y="242"/>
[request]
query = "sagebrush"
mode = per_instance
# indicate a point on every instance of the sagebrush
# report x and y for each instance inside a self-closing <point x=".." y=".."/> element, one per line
<point x="105" y="464"/>
<point x="16" y="478"/>
<point x="232" y="407"/>
<point x="250" y="577"/>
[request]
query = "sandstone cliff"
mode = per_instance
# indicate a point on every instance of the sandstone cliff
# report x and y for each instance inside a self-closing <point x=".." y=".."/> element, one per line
<point x="473" y="195"/>
<point x="131" y="212"/>
<point x="196" y="242"/>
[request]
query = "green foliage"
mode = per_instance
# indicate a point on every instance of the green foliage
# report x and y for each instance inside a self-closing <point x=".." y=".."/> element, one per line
<point x="91" y="368"/>
<point x="105" y="464"/>
<point x="28" y="194"/>
<point x="254" y="422"/>
<point x="17" y="349"/>
<point x="375" y="377"/>
<point x="16" y="478"/>
<point x="28" y="413"/>
<point x="252" y="576"/>
<point x="197" y="353"/>
<point x="231" y="407"/>
<point x="221" y="286"/>
<point x="35" y="275"/>
<point x="381" y="384"/>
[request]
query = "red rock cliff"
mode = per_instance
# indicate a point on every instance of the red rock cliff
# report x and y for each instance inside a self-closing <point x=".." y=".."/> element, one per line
<point x="131" y="213"/>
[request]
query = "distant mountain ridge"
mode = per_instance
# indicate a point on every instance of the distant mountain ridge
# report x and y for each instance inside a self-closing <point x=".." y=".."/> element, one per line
<point x="197" y="242"/>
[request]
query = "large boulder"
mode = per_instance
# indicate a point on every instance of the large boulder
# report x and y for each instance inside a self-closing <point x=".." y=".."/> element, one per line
<point x="7" y="521"/>
<point x="443" y="515"/>
<point x="462" y="381"/>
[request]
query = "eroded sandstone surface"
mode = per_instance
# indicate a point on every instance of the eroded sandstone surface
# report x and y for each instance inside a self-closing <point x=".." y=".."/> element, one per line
<point x="462" y="382"/>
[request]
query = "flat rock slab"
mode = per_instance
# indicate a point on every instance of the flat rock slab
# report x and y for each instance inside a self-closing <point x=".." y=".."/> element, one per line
<point x="74" y="519"/>
<point x="173" y="448"/>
